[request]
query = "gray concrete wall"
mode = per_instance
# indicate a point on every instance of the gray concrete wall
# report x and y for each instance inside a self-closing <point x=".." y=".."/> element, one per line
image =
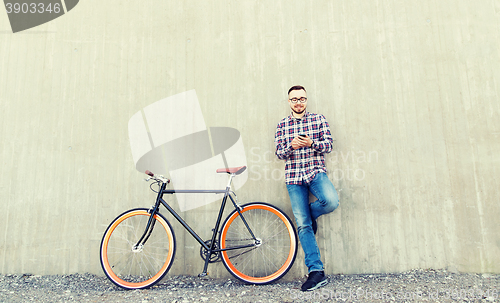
<point x="410" y="89"/>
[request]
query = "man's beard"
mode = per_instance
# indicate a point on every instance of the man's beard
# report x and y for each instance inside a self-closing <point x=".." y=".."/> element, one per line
<point x="297" y="112"/>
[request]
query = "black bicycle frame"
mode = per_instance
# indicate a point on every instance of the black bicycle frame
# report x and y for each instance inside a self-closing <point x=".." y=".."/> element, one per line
<point x="211" y="249"/>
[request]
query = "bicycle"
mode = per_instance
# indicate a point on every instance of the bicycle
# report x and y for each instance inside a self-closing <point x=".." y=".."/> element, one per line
<point x="257" y="242"/>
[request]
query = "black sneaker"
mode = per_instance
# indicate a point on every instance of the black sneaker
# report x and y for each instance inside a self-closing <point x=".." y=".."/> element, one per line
<point x="315" y="280"/>
<point x="314" y="226"/>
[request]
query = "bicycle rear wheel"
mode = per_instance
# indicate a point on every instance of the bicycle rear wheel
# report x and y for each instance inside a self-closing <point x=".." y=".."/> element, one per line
<point x="133" y="267"/>
<point x="274" y="251"/>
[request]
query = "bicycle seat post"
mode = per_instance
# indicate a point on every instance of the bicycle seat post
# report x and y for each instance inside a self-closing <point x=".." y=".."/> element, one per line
<point x="228" y="186"/>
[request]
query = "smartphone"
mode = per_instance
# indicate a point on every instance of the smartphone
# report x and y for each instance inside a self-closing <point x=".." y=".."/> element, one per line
<point x="302" y="135"/>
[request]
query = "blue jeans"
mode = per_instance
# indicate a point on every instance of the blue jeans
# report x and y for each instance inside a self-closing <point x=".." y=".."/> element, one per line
<point x="327" y="201"/>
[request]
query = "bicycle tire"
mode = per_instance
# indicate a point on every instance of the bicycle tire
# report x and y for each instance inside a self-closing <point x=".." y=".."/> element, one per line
<point x="267" y="262"/>
<point x="142" y="267"/>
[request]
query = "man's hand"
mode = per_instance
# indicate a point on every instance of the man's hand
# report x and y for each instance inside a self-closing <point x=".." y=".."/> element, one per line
<point x="299" y="142"/>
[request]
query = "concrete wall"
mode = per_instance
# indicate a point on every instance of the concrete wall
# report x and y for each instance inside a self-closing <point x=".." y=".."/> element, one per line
<point x="410" y="89"/>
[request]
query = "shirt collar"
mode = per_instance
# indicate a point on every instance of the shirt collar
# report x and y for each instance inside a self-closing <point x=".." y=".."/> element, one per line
<point x="291" y="117"/>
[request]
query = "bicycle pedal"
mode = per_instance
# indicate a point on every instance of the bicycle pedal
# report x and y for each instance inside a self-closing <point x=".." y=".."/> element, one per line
<point x="203" y="274"/>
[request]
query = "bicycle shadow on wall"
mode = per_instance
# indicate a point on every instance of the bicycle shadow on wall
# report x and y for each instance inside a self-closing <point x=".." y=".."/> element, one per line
<point x="170" y="137"/>
<point x="24" y="14"/>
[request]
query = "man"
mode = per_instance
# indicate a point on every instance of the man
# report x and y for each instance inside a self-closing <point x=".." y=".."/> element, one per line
<point x="301" y="139"/>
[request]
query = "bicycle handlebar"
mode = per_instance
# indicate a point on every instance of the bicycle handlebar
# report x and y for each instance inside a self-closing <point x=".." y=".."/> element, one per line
<point x="156" y="177"/>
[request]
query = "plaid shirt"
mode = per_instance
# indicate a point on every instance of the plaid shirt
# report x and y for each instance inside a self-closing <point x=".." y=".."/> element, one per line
<point x="304" y="163"/>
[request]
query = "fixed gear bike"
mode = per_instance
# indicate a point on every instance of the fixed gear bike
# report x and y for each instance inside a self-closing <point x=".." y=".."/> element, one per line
<point x="257" y="242"/>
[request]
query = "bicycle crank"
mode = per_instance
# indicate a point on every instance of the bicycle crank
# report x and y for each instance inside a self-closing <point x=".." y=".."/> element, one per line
<point x="214" y="256"/>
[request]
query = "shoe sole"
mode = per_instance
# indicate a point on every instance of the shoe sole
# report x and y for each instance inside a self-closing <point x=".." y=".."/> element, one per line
<point x="320" y="284"/>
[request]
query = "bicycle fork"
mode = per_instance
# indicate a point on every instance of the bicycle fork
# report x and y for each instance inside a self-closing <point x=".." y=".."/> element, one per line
<point x="151" y="222"/>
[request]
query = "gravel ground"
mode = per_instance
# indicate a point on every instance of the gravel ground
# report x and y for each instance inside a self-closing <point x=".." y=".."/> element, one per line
<point x="411" y="286"/>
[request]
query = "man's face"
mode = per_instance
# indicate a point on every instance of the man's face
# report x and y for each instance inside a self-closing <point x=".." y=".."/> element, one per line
<point x="298" y="107"/>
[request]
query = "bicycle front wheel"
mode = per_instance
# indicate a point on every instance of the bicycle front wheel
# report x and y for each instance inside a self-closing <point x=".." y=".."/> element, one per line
<point x="130" y="266"/>
<point x="271" y="253"/>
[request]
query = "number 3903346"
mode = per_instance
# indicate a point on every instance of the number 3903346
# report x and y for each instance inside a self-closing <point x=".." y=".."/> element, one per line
<point x="33" y="8"/>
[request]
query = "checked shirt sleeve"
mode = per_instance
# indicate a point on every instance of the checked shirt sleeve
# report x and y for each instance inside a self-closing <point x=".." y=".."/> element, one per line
<point x="325" y="143"/>
<point x="283" y="148"/>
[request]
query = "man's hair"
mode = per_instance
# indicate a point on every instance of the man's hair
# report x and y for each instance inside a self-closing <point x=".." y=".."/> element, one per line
<point x="296" y="87"/>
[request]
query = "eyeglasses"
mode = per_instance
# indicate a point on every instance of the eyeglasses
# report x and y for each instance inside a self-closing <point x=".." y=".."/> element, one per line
<point x="295" y="100"/>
